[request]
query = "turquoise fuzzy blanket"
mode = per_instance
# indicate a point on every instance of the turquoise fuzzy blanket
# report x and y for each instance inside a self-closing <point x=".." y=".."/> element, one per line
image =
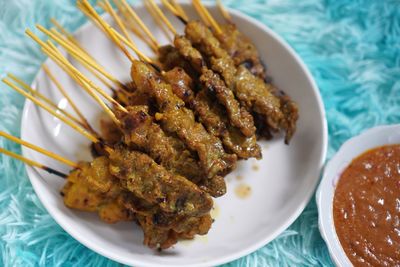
<point x="351" y="47"/>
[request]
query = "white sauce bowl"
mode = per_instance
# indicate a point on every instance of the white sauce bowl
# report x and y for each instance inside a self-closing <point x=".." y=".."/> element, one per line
<point x="375" y="137"/>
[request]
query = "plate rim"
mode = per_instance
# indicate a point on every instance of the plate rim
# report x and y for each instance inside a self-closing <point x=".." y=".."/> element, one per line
<point x="240" y="253"/>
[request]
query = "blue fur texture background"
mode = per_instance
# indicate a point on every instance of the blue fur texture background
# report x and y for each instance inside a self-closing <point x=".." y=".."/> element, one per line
<point x="351" y="47"/>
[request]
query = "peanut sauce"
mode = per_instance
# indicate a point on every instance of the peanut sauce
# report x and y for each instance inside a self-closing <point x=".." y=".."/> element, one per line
<point x="366" y="208"/>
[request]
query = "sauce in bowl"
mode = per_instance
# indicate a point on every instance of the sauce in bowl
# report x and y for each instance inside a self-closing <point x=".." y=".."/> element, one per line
<point x="366" y="208"/>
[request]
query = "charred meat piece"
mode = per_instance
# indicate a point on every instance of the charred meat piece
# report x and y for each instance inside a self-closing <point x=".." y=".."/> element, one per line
<point x="177" y="119"/>
<point x="132" y="98"/>
<point x="252" y="92"/>
<point x="170" y="58"/>
<point x="290" y="111"/>
<point x="162" y="229"/>
<point x="92" y="188"/>
<point x="244" y="52"/>
<point x="142" y="133"/>
<point x="84" y="191"/>
<point x="160" y="237"/>
<point x="238" y="117"/>
<point x="211" y="115"/>
<point x="241" y="49"/>
<point x="257" y="96"/>
<point x="147" y="180"/>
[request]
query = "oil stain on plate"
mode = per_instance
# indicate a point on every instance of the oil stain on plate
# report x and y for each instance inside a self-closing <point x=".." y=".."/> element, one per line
<point x="243" y="191"/>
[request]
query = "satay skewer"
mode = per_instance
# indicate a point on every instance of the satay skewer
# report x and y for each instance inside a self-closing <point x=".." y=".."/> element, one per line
<point x="39" y="149"/>
<point x="32" y="163"/>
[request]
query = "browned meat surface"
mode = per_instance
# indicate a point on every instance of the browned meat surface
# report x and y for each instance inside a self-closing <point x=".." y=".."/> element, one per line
<point x="249" y="89"/>
<point x="212" y="115"/>
<point x="241" y="49"/>
<point x="238" y="117"/>
<point x="142" y="133"/>
<point x="147" y="180"/>
<point x="255" y="95"/>
<point x="160" y="237"/>
<point x="110" y="133"/>
<point x="170" y="58"/>
<point x="177" y="119"/>
<point x="290" y="111"/>
<point x="243" y="52"/>
<point x="92" y="188"/>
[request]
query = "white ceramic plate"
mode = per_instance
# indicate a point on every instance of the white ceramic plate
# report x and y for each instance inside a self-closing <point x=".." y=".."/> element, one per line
<point x="281" y="183"/>
<point x="375" y="137"/>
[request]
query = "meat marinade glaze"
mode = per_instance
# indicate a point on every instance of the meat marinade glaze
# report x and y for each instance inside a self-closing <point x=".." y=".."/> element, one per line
<point x="212" y="115"/>
<point x="177" y="119"/>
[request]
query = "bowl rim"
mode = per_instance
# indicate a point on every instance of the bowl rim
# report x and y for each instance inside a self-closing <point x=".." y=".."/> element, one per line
<point x="326" y="189"/>
<point x="233" y="256"/>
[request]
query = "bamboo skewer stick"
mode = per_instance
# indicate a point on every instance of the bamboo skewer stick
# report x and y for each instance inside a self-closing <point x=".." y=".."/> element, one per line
<point x="33" y="163"/>
<point x="203" y="10"/>
<point x="44" y="98"/>
<point x="39" y="149"/>
<point x="84" y="5"/>
<point x="89" y="67"/>
<point x="224" y="12"/>
<point x="117" y="37"/>
<point x="139" y="34"/>
<point x="174" y="11"/>
<point x="78" y="77"/>
<point x="73" y="42"/>
<point x="77" y="54"/>
<point x="48" y="109"/>
<point x="131" y="46"/>
<point x="157" y="19"/>
<point x="170" y="7"/>
<point x="96" y="88"/>
<point x="50" y="50"/>
<point x="162" y="16"/>
<point x="180" y="10"/>
<point x="108" y="8"/>
<point x="137" y="19"/>
<point x="65" y="32"/>
<point x="64" y="93"/>
<point x="125" y="39"/>
<point x="201" y="14"/>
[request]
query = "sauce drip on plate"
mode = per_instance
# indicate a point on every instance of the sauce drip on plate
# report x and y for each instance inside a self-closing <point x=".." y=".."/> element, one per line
<point x="366" y="208"/>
